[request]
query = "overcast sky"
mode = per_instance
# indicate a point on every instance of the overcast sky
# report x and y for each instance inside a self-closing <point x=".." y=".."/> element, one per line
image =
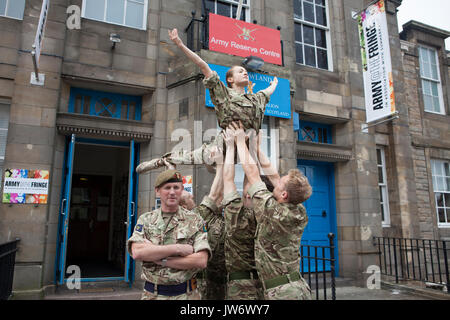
<point x="435" y="13"/>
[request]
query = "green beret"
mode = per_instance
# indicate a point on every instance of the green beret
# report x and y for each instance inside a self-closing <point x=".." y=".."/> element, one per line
<point x="168" y="176"/>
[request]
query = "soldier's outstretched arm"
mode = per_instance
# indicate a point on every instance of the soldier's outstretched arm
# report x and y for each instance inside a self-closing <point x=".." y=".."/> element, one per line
<point x="248" y="163"/>
<point x="217" y="185"/>
<point x="271" y="88"/>
<point x="267" y="167"/>
<point x="173" y="35"/>
<point x="228" y="168"/>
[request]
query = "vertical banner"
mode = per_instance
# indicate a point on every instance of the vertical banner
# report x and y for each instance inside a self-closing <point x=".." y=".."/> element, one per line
<point x="40" y="32"/>
<point x="376" y="60"/>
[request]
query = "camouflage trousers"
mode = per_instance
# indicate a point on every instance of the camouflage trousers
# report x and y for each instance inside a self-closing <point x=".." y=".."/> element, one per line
<point x="201" y="155"/>
<point x="297" y="290"/>
<point x="192" y="295"/>
<point x="250" y="289"/>
<point x="213" y="288"/>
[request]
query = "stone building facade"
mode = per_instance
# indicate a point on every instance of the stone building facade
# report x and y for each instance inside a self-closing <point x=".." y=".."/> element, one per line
<point x="104" y="107"/>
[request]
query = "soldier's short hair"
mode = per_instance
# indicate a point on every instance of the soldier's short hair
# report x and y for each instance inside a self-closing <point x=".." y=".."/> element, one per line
<point x="230" y="74"/>
<point x="297" y="187"/>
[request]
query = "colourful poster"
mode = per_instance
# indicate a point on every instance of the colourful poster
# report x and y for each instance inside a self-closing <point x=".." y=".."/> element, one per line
<point x="25" y="186"/>
<point x="376" y="61"/>
<point x="187" y="183"/>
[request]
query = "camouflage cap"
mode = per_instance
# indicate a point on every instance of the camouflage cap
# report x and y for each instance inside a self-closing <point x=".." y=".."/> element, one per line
<point x="168" y="176"/>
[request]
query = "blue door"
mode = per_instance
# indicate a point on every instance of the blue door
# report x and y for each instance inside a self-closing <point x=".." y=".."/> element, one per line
<point x="64" y="210"/>
<point x="321" y="211"/>
<point x="63" y="227"/>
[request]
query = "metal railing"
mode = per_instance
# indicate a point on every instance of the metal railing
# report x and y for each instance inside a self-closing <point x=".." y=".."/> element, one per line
<point x="317" y="266"/>
<point x="7" y="261"/>
<point x="198" y="32"/>
<point x="414" y="259"/>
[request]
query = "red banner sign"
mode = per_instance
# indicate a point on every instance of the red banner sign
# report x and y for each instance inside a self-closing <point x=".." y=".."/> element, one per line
<point x="244" y="39"/>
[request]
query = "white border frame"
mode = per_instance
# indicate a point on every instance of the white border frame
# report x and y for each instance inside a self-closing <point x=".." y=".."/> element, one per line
<point x="246" y="7"/>
<point x="439" y="224"/>
<point x="144" y="21"/>
<point x="387" y="213"/>
<point x="6" y="7"/>
<point x="327" y="35"/>
<point x="439" y="81"/>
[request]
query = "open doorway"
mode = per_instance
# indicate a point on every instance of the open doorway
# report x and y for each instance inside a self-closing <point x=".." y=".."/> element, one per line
<point x="98" y="210"/>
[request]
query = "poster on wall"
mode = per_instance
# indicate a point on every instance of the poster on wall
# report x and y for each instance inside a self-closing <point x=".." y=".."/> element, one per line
<point x="25" y="186"/>
<point x="187" y="184"/>
<point x="376" y="61"/>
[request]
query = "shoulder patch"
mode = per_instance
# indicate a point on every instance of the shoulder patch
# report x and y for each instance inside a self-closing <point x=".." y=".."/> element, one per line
<point x="138" y="227"/>
<point x="205" y="227"/>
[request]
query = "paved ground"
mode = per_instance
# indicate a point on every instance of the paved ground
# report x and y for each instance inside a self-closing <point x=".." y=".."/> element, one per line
<point x="345" y="291"/>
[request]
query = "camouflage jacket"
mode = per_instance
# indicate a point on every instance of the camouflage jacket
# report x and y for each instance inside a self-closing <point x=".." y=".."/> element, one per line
<point x="232" y="106"/>
<point x="186" y="227"/>
<point x="240" y="228"/>
<point x="278" y="235"/>
<point x="214" y="222"/>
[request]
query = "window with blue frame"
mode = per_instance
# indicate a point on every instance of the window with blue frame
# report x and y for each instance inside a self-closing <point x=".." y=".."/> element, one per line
<point x="312" y="131"/>
<point x="105" y="104"/>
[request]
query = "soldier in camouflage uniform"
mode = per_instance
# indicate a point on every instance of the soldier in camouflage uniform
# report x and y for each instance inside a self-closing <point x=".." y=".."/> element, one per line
<point x="231" y="103"/>
<point x="211" y="282"/>
<point x="281" y="220"/>
<point x="240" y="228"/>
<point x="172" y="244"/>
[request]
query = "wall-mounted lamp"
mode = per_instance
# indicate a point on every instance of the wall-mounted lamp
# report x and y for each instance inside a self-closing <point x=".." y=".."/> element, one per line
<point x="114" y="38"/>
<point x="253" y="63"/>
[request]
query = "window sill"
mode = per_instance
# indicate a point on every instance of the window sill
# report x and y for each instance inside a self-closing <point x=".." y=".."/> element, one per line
<point x="444" y="225"/>
<point x="116" y="24"/>
<point x="14" y="18"/>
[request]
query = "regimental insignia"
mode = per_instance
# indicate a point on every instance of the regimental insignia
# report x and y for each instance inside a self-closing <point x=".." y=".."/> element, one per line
<point x="139" y="227"/>
<point x="205" y="227"/>
<point x="177" y="175"/>
<point x="246" y="33"/>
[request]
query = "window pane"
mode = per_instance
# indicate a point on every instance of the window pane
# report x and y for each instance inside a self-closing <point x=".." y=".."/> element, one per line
<point x="15" y="8"/>
<point x="447" y="200"/>
<point x="234" y="8"/>
<point x="434" y="89"/>
<point x="210" y="5"/>
<point x="439" y="199"/>
<point x="298" y="9"/>
<point x="442" y="216"/>
<point x="223" y="9"/>
<point x="95" y="9"/>
<point x="310" y="56"/>
<point x="299" y="53"/>
<point x="379" y="157"/>
<point x="135" y="15"/>
<point x="322" y="59"/>
<point x="321" y="2"/>
<point x="298" y="32"/>
<point x="2" y="7"/>
<point x="380" y="175"/>
<point x="321" y="16"/>
<point x="321" y="40"/>
<point x="115" y="11"/>
<point x="308" y="11"/>
<point x="426" y="87"/>
<point x="447" y="169"/>
<point x="382" y="212"/>
<point x="436" y="105"/>
<point x="434" y="72"/>
<point x="308" y="35"/>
